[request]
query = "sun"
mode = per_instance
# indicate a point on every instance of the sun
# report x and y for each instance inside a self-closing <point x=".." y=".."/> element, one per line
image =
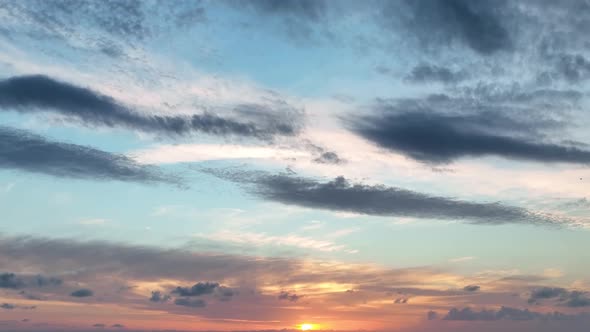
<point x="306" y="327"/>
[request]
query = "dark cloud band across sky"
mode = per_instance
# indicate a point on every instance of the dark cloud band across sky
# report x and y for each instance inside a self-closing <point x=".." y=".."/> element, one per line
<point x="37" y="93"/>
<point x="24" y="151"/>
<point x="434" y="137"/>
<point x="376" y="200"/>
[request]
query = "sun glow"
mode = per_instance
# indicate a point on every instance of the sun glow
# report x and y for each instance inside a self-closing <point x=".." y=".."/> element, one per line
<point x="306" y="327"/>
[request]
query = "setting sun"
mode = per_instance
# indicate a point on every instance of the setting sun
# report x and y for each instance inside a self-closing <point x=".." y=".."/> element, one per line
<point x="306" y="327"/>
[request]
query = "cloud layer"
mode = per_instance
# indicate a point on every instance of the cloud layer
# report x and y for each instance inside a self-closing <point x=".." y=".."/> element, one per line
<point x="24" y="151"/>
<point x="427" y="130"/>
<point x="376" y="200"/>
<point x="30" y="94"/>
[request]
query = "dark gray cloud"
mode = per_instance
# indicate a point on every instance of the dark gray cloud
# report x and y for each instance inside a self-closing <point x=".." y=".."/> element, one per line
<point x="100" y="325"/>
<point x="118" y="326"/>
<point x="479" y="25"/>
<point x="292" y="297"/>
<point x="471" y="288"/>
<point x="376" y="200"/>
<point x="401" y="300"/>
<point x="201" y="288"/>
<point x="13" y="281"/>
<point x="507" y="313"/>
<point x="42" y="281"/>
<point x="24" y="151"/>
<point x="435" y="136"/>
<point x="158" y="296"/>
<point x="10" y="280"/>
<point x="7" y="306"/>
<point x="329" y="158"/>
<point x="188" y="302"/>
<point x="546" y="293"/>
<point x="577" y="299"/>
<point x="429" y="73"/>
<point x="574" y="299"/>
<point x="84" y="292"/>
<point x="31" y="94"/>
<point x="322" y="155"/>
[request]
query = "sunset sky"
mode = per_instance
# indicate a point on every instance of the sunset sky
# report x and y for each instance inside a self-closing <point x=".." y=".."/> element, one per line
<point x="403" y="165"/>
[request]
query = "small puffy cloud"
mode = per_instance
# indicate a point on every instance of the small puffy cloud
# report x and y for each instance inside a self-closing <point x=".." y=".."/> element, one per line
<point x="201" y="288"/>
<point x="292" y="297"/>
<point x="471" y="288"/>
<point x="158" y="296"/>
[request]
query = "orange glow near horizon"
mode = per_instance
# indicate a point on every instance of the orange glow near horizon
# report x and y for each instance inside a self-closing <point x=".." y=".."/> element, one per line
<point x="307" y="327"/>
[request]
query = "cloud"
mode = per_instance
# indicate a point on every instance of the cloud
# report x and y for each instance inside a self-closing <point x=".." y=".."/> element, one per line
<point x="24" y="151"/>
<point x="574" y="299"/>
<point x="193" y="303"/>
<point x="225" y="293"/>
<point x="307" y="9"/>
<point x="249" y="239"/>
<point x="84" y="292"/>
<point x="546" y="293"/>
<point x="429" y="73"/>
<point x="376" y="200"/>
<point x="118" y="326"/>
<point x="432" y="136"/>
<point x="135" y="262"/>
<point x="129" y="21"/>
<point x="508" y="313"/>
<point x="157" y="296"/>
<point x="43" y="281"/>
<point x="432" y="315"/>
<point x="573" y="68"/>
<point x="480" y="26"/>
<point x="201" y="288"/>
<point x="291" y="297"/>
<point x="37" y="93"/>
<point x="8" y="306"/>
<point x="100" y="325"/>
<point x="10" y="280"/>
<point x="401" y="300"/>
<point x="471" y="288"/>
<point x="107" y="267"/>
<point x="577" y="299"/>
<point x="329" y="158"/>
<point x="299" y="20"/>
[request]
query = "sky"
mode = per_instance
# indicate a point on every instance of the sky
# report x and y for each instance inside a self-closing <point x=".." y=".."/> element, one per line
<point x="250" y="165"/>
